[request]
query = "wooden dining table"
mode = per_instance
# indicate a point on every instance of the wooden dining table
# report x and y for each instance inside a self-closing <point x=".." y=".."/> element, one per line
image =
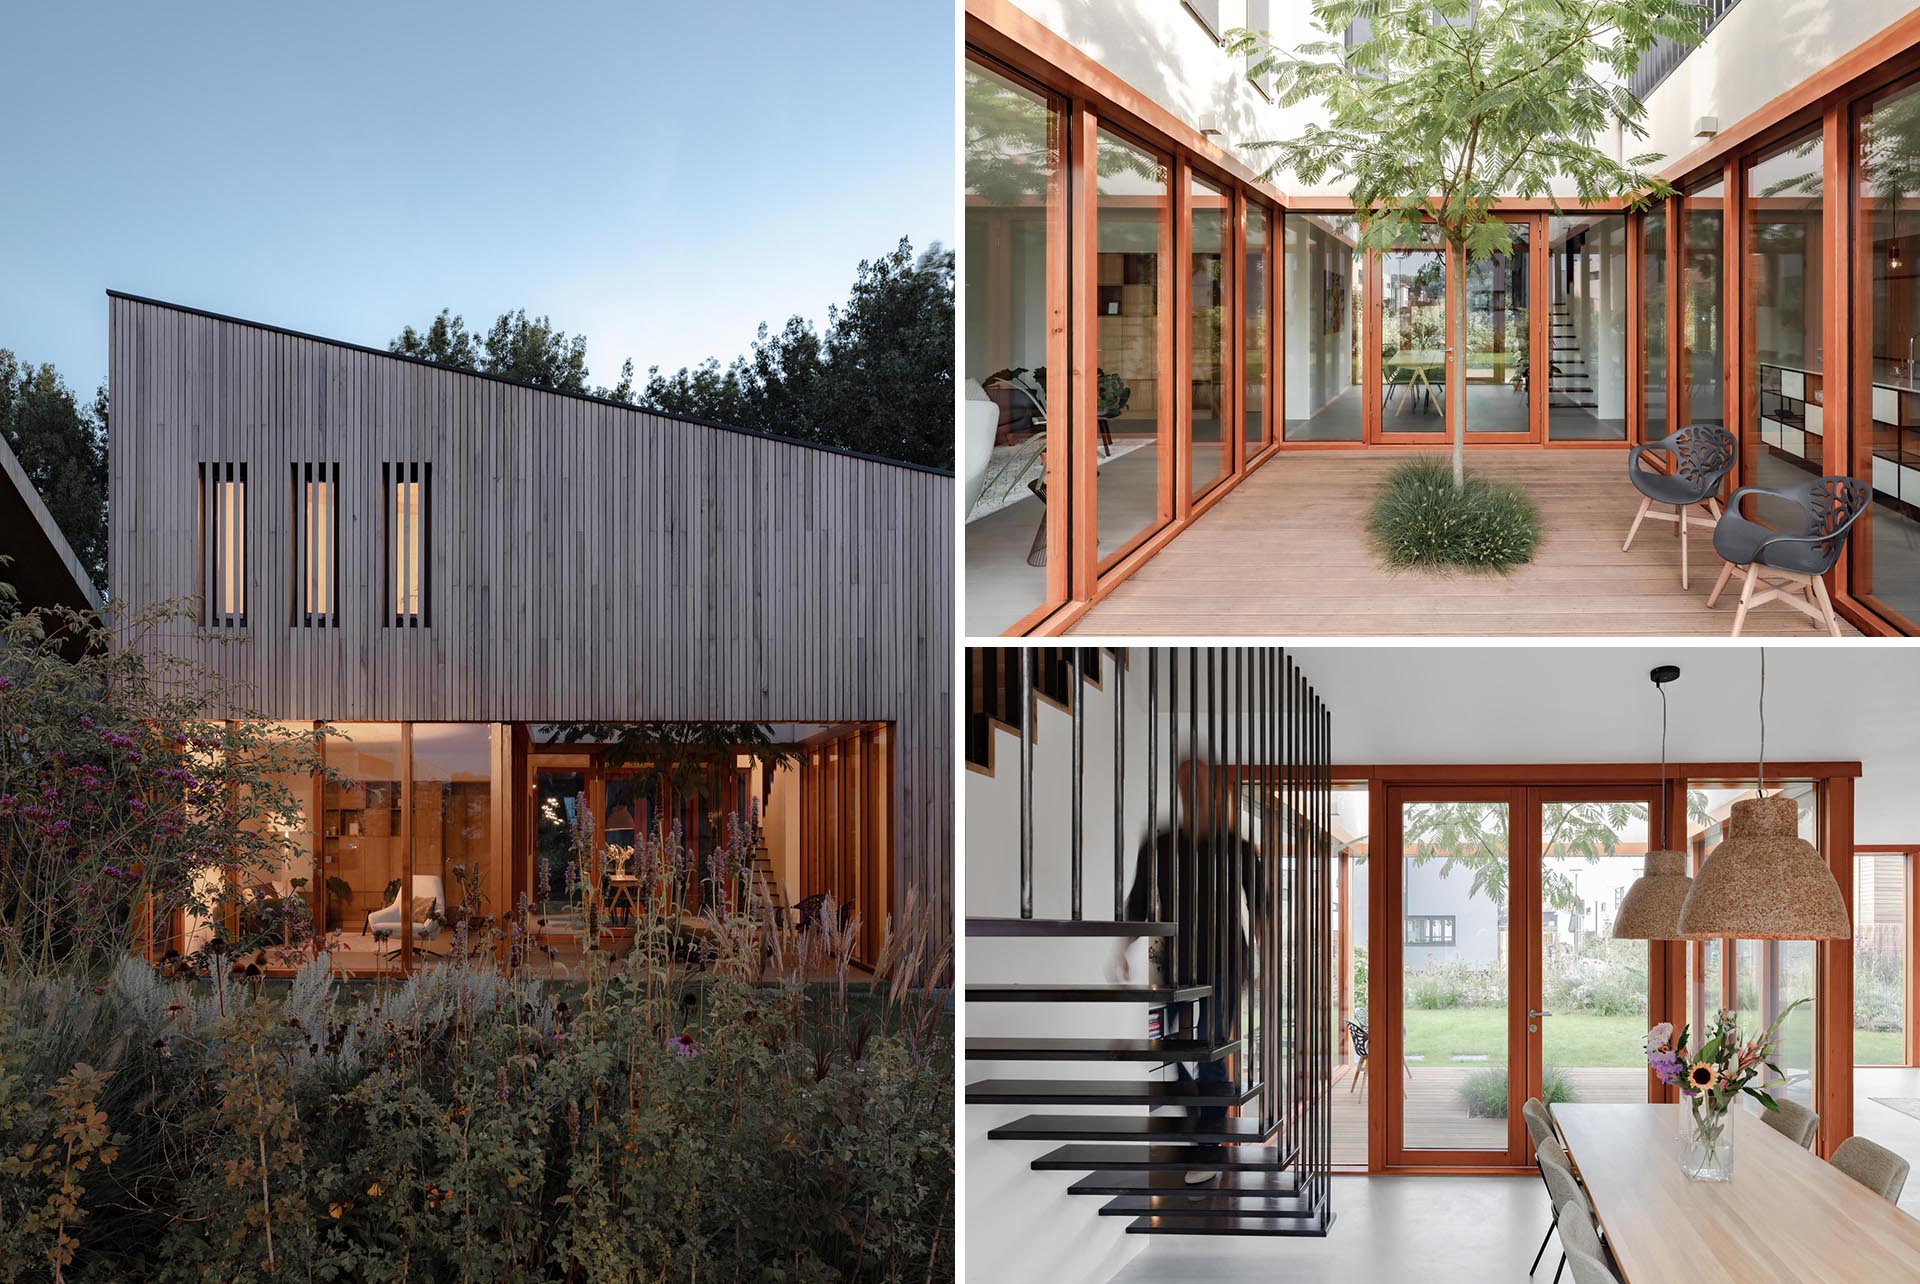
<point x="1787" y="1217"/>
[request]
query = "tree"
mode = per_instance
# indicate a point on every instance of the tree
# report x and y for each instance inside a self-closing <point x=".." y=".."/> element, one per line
<point x="528" y="349"/>
<point x="63" y="448"/>
<point x="1444" y="107"/>
<point x="1473" y="837"/>
<point x="879" y="380"/>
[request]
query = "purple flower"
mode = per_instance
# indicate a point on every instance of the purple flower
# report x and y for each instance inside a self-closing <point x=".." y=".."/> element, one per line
<point x="684" y="1045"/>
<point x="6" y="684"/>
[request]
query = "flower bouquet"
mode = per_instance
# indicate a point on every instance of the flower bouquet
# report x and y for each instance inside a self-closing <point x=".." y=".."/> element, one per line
<point x="1709" y="1081"/>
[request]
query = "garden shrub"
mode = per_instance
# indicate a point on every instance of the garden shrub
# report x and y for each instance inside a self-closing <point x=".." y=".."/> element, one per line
<point x="1456" y="985"/>
<point x="1484" y="1094"/>
<point x="469" y="1125"/>
<point x="1421" y="521"/>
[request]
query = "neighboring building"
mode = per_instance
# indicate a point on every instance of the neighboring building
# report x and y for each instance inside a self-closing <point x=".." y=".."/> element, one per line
<point x="450" y="568"/>
<point x="1204" y="320"/>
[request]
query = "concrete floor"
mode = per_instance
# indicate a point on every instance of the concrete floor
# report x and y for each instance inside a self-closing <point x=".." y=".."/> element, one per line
<point x="1898" y="1132"/>
<point x="1386" y="1230"/>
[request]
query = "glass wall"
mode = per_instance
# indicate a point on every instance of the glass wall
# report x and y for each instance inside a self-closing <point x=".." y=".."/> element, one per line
<point x="1496" y="357"/>
<point x="1352" y="1006"/>
<point x="1587" y="328"/>
<point x="1653" y="324"/>
<point x="1881" y="896"/>
<point x="1884" y="551"/>
<point x="1785" y="430"/>
<point x="1413" y="337"/>
<point x="1210" y="335"/>
<point x="1324" y="292"/>
<point x="1255" y="399"/>
<point x="559" y="806"/>
<point x="1136" y="427"/>
<point x="1703" y="305"/>
<point x="452" y="833"/>
<point x="1768" y="976"/>
<point x="1015" y="144"/>
<point x="1593" y="987"/>
<point x="361" y="810"/>
<point x="1455" y="960"/>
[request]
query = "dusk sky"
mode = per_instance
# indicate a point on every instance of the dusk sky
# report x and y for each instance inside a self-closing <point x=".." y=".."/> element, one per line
<point x="661" y="177"/>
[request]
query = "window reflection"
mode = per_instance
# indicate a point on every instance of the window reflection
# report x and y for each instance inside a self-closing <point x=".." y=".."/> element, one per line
<point x="1134" y="433"/>
<point x="1587" y="328"/>
<point x="1210" y="268"/>
<point x="1323" y="285"/>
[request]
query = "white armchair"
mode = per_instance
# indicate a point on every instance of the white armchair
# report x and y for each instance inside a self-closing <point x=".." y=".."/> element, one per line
<point x="389" y="916"/>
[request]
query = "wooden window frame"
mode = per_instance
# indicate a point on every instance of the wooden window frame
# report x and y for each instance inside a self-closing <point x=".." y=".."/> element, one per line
<point x="216" y="481"/>
<point x="393" y="545"/>
<point x="1667" y="962"/>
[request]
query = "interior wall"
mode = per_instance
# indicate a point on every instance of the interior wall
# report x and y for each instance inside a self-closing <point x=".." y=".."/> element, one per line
<point x="782" y="825"/>
<point x="1318" y="364"/>
<point x="1022" y="1225"/>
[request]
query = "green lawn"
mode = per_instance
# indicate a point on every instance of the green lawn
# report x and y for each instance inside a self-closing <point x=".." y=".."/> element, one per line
<point x="1585" y="1039"/>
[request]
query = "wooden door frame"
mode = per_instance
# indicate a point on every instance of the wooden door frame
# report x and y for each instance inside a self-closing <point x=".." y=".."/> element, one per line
<point x="1834" y="781"/>
<point x="1910" y="1030"/>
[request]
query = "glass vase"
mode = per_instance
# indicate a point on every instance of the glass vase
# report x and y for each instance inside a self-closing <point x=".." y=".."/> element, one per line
<point x="1706" y="1139"/>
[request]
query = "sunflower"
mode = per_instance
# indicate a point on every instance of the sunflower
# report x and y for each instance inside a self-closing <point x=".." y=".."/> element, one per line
<point x="1703" y="1076"/>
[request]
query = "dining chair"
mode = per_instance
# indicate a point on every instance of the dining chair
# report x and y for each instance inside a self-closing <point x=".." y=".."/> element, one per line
<point x="1788" y="566"/>
<point x="1570" y="1203"/>
<point x="1873" y="1166"/>
<point x="1793" y="1121"/>
<point x="1703" y="455"/>
<point x="1357" y="1039"/>
<point x="1540" y="1131"/>
<point x="1590" y="1268"/>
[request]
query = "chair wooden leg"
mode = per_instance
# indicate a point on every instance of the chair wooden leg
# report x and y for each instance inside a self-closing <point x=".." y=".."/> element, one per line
<point x="1638" y="517"/>
<point x="1726" y="573"/>
<point x="1746" y="595"/>
<point x="1680" y="519"/>
<point x="1826" y="605"/>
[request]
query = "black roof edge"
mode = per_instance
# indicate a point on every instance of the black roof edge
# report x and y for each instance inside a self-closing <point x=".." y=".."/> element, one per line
<point x="521" y="383"/>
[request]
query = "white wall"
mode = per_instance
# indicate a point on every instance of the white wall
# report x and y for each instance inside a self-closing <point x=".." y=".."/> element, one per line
<point x="1761" y="49"/>
<point x="782" y="826"/>
<point x="1162" y="50"/>
<point x="1022" y="1225"/>
<point x="1319" y="366"/>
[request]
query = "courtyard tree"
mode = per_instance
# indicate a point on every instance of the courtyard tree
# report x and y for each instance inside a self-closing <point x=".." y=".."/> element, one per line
<point x="1439" y="109"/>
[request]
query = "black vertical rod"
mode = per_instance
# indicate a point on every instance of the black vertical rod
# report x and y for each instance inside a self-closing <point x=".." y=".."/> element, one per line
<point x="1079" y="802"/>
<point x="1153" y="782"/>
<point x="1027" y="713"/>
<point x="1326" y="953"/>
<point x="1189" y="822"/>
<point x="1119" y="785"/>
<point x="1243" y="860"/>
<point x="1215" y="856"/>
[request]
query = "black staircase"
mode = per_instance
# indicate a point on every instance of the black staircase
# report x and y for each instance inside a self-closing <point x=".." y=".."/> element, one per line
<point x="1262" y="734"/>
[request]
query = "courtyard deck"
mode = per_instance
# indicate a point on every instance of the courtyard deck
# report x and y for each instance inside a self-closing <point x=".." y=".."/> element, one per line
<point x="1435" y="1117"/>
<point x="1287" y="554"/>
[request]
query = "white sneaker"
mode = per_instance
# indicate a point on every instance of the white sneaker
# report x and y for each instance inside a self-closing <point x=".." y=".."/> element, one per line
<point x="1200" y="1177"/>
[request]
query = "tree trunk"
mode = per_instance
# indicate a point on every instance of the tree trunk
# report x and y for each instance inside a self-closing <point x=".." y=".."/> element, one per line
<point x="1457" y="357"/>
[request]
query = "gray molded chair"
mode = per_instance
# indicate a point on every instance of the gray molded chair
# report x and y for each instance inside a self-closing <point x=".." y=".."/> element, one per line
<point x="1793" y="1121"/>
<point x="1570" y="1204"/>
<point x="1873" y="1166"/>
<point x="1539" y="1122"/>
<point x="1703" y="455"/>
<point x="1787" y="565"/>
<point x="1590" y="1268"/>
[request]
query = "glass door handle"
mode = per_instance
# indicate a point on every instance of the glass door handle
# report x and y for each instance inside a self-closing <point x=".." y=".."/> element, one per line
<point x="1539" y="1014"/>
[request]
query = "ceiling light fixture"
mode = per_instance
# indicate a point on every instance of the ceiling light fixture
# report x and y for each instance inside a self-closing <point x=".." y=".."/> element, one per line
<point x="1764" y="882"/>
<point x="1650" y="911"/>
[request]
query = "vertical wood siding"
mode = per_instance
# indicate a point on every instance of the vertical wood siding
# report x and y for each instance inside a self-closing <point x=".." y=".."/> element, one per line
<point x="587" y="562"/>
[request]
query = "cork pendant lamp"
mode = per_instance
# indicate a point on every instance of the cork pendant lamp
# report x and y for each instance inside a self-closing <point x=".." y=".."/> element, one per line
<point x="1650" y="911"/>
<point x="1765" y="882"/>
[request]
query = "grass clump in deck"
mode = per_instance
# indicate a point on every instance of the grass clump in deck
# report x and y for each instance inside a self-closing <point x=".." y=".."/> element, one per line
<point x="1422" y="521"/>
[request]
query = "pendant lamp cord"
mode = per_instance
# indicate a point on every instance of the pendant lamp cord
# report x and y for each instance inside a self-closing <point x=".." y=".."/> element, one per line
<point x="1760" y="769"/>
<point x="1662" y="837"/>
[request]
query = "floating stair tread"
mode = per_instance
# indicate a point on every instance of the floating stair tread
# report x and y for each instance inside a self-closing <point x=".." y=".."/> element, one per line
<point x="1016" y="1049"/>
<point x="1065" y="927"/>
<point x="986" y="992"/>
<point x="1295" y="1228"/>
<point x="1131" y="1128"/>
<point x="1201" y="1203"/>
<point x="1245" y="1182"/>
<point x="1150" y="1159"/>
<point x="1106" y="1092"/>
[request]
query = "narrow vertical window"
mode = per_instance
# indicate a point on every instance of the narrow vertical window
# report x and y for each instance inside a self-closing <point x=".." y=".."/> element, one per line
<point x="315" y="546"/>
<point x="223" y="544"/>
<point x="407" y="507"/>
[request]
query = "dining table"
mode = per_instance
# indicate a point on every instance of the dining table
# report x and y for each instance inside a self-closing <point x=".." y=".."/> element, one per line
<point x="1785" y="1217"/>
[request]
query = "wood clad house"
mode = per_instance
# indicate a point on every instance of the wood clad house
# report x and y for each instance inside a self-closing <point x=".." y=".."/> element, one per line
<point x="446" y="567"/>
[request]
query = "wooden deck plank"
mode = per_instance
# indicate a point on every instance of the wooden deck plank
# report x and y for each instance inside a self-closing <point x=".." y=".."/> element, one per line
<point x="1287" y="554"/>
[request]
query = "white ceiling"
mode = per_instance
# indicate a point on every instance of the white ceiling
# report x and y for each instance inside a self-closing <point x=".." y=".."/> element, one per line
<point x="1546" y="703"/>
